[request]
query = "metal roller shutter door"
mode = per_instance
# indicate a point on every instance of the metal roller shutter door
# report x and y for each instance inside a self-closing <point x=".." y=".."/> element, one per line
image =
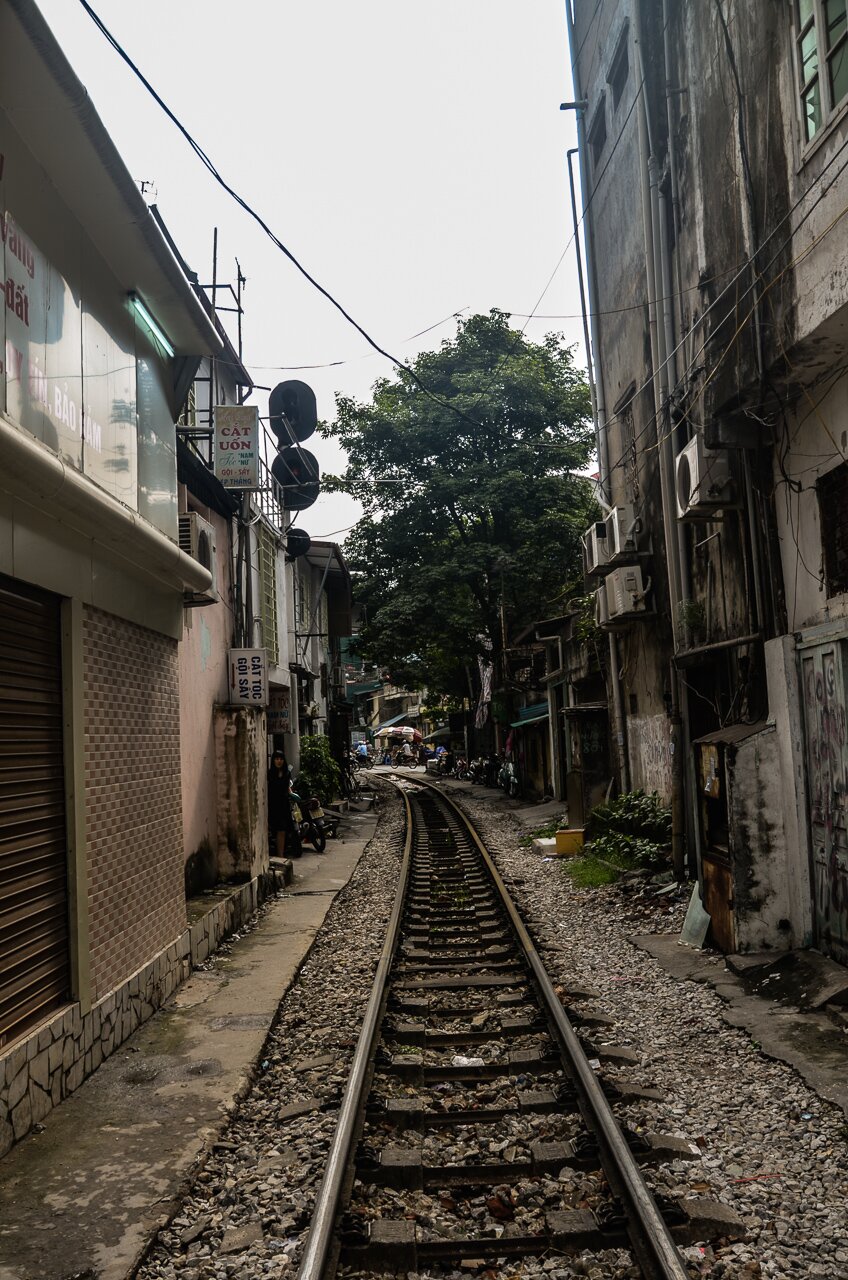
<point x="34" y="962"/>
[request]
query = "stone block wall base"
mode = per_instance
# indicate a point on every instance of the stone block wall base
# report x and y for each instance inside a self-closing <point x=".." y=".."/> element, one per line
<point x="38" y="1071"/>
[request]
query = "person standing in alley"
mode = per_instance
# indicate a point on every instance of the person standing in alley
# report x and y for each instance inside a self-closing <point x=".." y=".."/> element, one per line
<point x="280" y="821"/>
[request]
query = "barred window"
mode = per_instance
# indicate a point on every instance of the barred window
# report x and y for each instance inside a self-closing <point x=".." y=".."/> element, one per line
<point x="268" y="588"/>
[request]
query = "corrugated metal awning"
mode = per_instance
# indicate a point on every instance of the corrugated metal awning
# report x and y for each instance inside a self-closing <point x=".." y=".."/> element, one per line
<point x="388" y="723"/>
<point x="539" y="713"/>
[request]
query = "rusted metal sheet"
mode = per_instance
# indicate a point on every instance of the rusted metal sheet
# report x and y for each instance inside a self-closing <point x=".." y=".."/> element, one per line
<point x="826" y="741"/>
<point x="718" y="899"/>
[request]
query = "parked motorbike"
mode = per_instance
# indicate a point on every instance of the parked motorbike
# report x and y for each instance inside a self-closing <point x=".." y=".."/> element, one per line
<point x="309" y="821"/>
<point x="476" y="770"/>
<point x="508" y="779"/>
<point x="486" y="771"/>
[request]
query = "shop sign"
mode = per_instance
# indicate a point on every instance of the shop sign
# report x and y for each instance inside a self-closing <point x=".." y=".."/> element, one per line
<point x="248" y="677"/>
<point x="279" y="714"/>
<point x="237" y="445"/>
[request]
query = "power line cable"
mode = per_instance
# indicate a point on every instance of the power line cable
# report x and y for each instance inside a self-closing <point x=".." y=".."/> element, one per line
<point x="210" y="166"/>
<point x="720" y="297"/>
<point x="331" y="364"/>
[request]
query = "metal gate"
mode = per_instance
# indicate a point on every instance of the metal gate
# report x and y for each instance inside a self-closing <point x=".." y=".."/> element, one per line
<point x="826" y="743"/>
<point x="34" y="962"/>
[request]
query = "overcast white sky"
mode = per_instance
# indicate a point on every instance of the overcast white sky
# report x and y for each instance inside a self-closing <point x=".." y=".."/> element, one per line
<point x="412" y="156"/>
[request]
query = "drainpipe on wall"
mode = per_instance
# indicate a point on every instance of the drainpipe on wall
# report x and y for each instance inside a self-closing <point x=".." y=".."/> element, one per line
<point x="596" y="381"/>
<point x="661" y="311"/>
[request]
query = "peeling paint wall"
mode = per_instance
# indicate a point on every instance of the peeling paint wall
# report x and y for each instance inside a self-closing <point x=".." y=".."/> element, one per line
<point x="762" y="907"/>
<point x="203" y="684"/>
<point x="650" y="754"/>
<point x="242" y="834"/>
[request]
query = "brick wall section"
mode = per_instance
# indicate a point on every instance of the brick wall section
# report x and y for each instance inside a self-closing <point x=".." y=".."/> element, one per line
<point x="136" y="896"/>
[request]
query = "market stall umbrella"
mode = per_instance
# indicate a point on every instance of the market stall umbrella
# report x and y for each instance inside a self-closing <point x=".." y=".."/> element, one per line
<point x="399" y="731"/>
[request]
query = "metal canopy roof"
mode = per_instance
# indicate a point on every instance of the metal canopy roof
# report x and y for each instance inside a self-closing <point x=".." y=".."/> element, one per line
<point x="540" y="713"/>
<point x="388" y="723"/>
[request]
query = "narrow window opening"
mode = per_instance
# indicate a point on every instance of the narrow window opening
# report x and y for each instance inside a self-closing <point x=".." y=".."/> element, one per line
<point x="832" y="492"/>
<point x="620" y="66"/>
<point x="598" y="131"/>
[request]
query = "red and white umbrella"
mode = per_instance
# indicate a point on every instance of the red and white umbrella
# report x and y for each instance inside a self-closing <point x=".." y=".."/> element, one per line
<point x="399" y="731"/>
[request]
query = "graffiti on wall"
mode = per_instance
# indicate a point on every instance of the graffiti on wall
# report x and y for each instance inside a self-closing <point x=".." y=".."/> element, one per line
<point x="650" y="753"/>
<point x="826" y="728"/>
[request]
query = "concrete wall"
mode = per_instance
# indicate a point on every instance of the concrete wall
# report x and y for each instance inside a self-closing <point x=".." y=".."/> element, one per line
<point x="816" y="436"/>
<point x="786" y="711"/>
<point x="240" y="757"/>
<point x="649" y="742"/>
<point x="762" y="906"/>
<point x="207" y="636"/>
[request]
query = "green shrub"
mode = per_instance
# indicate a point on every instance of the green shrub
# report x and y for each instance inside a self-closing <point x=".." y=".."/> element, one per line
<point x="626" y="852"/>
<point x="632" y="831"/>
<point x="633" y="814"/>
<point x="319" y="774"/>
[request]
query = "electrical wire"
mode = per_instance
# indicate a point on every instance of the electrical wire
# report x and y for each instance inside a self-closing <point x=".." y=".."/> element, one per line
<point x="650" y="424"/>
<point x="332" y="364"/>
<point x="210" y="166"/>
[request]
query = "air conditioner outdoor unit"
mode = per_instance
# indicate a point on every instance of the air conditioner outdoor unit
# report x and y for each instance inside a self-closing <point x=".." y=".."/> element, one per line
<point x="197" y="539"/>
<point x="621" y="533"/>
<point x="595" y="549"/>
<point x="625" y="593"/>
<point x="701" y="480"/>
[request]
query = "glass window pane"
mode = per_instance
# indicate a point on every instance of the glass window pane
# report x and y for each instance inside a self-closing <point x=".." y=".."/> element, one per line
<point x="836" y="20"/>
<point x="805" y="12"/>
<point x="811" y="104"/>
<point x="838" y="71"/>
<point x="809" y="55"/>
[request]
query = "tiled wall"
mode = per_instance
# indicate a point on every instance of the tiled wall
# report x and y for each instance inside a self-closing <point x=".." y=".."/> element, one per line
<point x="136" y="900"/>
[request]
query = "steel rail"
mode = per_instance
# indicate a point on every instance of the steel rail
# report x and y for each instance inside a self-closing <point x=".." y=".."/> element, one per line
<point x="652" y="1244"/>
<point x="321" y="1240"/>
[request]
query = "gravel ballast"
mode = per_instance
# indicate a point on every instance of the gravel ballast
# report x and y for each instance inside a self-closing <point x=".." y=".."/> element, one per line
<point x="770" y="1148"/>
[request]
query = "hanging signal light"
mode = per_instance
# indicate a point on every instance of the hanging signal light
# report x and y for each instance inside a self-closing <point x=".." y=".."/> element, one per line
<point x="297" y="473"/>
<point x="293" y="411"/>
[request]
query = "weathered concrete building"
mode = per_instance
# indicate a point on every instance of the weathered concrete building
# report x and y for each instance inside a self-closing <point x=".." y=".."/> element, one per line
<point x="97" y="332"/>
<point x="713" y="139"/>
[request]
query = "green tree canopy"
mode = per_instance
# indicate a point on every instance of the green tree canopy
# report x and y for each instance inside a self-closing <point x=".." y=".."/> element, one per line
<point x="466" y="513"/>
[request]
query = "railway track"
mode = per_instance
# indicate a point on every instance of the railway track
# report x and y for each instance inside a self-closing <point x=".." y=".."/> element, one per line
<point x="469" y="1084"/>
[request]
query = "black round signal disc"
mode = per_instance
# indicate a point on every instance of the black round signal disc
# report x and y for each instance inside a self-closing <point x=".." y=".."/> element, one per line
<point x="292" y="411"/>
<point x="298" y="543"/>
<point x="297" y="473"/>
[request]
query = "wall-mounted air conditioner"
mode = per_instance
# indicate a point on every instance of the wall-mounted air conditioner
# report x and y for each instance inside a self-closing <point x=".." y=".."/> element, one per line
<point x="595" y="549"/>
<point x="197" y="539"/>
<point x="626" y="593"/>
<point x="621" y="533"/>
<point x="702" y="480"/>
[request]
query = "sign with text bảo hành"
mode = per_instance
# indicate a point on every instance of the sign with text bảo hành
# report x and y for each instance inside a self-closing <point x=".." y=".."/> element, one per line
<point x="237" y="445"/>
<point x="248" y="677"/>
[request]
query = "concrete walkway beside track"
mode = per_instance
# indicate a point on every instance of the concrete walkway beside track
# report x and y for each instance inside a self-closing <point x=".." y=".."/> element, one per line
<point x="85" y="1195"/>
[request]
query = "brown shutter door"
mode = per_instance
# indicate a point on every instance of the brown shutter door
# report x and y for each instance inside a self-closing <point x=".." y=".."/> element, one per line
<point x="34" y="968"/>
